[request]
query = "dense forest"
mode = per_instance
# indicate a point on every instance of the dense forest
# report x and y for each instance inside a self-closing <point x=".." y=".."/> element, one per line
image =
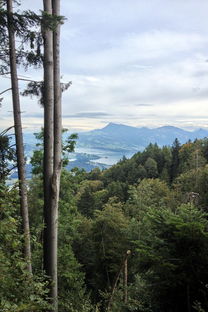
<point x="131" y="238"/>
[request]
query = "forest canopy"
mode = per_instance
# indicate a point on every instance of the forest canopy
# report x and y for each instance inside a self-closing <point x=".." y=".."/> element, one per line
<point x="138" y="205"/>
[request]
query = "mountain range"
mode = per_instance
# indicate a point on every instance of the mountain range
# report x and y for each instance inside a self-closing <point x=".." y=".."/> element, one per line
<point x="118" y="137"/>
<point x="104" y="147"/>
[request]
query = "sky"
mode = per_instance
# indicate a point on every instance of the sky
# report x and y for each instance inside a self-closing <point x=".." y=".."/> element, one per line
<point x="135" y="62"/>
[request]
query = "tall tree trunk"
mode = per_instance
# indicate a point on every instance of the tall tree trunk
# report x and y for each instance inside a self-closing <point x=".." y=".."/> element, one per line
<point x="52" y="149"/>
<point x="19" y="138"/>
<point x="57" y="140"/>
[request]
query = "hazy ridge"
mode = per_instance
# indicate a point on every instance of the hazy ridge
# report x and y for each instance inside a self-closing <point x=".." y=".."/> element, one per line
<point x="104" y="147"/>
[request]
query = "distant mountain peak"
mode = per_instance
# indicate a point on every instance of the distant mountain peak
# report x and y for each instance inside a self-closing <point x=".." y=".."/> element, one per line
<point x="112" y="126"/>
<point x="168" y="127"/>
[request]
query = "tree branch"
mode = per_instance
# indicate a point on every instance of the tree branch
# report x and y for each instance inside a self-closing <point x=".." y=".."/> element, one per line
<point x="5" y="91"/>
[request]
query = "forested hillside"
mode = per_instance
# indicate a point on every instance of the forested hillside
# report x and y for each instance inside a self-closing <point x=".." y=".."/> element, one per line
<point x="131" y="238"/>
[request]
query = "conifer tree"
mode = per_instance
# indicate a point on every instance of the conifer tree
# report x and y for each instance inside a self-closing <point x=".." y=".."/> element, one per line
<point x="18" y="135"/>
<point x="174" y="168"/>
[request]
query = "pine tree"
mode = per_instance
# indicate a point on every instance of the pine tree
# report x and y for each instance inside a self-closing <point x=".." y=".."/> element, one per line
<point x="19" y="136"/>
<point x="174" y="168"/>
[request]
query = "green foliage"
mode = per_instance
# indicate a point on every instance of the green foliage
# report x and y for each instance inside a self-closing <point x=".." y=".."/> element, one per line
<point x="110" y="229"/>
<point x="103" y="214"/>
<point x="50" y="21"/>
<point x="174" y="167"/>
<point x="195" y="180"/>
<point x="148" y="193"/>
<point x="34" y="88"/>
<point x="26" y="26"/>
<point x="86" y="198"/>
<point x="100" y="246"/>
<point x="7" y="155"/>
<point x="68" y="146"/>
<point x="191" y="156"/>
<point x="118" y="189"/>
<point x="151" y="168"/>
<point x="19" y="291"/>
<point x="70" y="143"/>
<point x="172" y="253"/>
<point x="164" y="271"/>
<point x="72" y="293"/>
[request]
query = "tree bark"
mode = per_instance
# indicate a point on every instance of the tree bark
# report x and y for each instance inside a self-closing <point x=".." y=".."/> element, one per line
<point x="19" y="139"/>
<point x="52" y="147"/>
<point x="125" y="280"/>
<point x="48" y="98"/>
<point x="57" y="142"/>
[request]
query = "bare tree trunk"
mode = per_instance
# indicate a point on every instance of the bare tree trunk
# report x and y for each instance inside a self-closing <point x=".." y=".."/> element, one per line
<point x="57" y="148"/>
<point x="123" y="262"/>
<point x="52" y="147"/>
<point x="19" y="139"/>
<point x="125" y="280"/>
<point x="48" y="97"/>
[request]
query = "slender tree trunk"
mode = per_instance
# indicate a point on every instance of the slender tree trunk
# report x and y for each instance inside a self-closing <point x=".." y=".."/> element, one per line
<point x="19" y="138"/>
<point x="57" y="93"/>
<point x="52" y="147"/>
<point x="125" y="280"/>
<point x="48" y="252"/>
<point x="123" y="263"/>
<point x="57" y="147"/>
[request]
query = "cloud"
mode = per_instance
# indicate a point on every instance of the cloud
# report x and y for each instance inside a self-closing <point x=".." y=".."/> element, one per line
<point x="164" y="84"/>
<point x="134" y="62"/>
<point x="143" y="105"/>
<point x="88" y="115"/>
<point x="137" y="50"/>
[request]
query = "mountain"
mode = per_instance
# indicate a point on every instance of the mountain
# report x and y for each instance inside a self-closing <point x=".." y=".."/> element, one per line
<point x="104" y="147"/>
<point x="118" y="137"/>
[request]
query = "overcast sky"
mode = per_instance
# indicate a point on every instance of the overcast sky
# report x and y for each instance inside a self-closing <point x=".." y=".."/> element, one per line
<point x="137" y="62"/>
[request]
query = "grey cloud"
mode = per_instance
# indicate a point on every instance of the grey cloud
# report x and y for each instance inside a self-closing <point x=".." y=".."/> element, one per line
<point x="143" y="105"/>
<point x="191" y="117"/>
<point x="87" y="115"/>
<point x="137" y="53"/>
<point x="201" y="73"/>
